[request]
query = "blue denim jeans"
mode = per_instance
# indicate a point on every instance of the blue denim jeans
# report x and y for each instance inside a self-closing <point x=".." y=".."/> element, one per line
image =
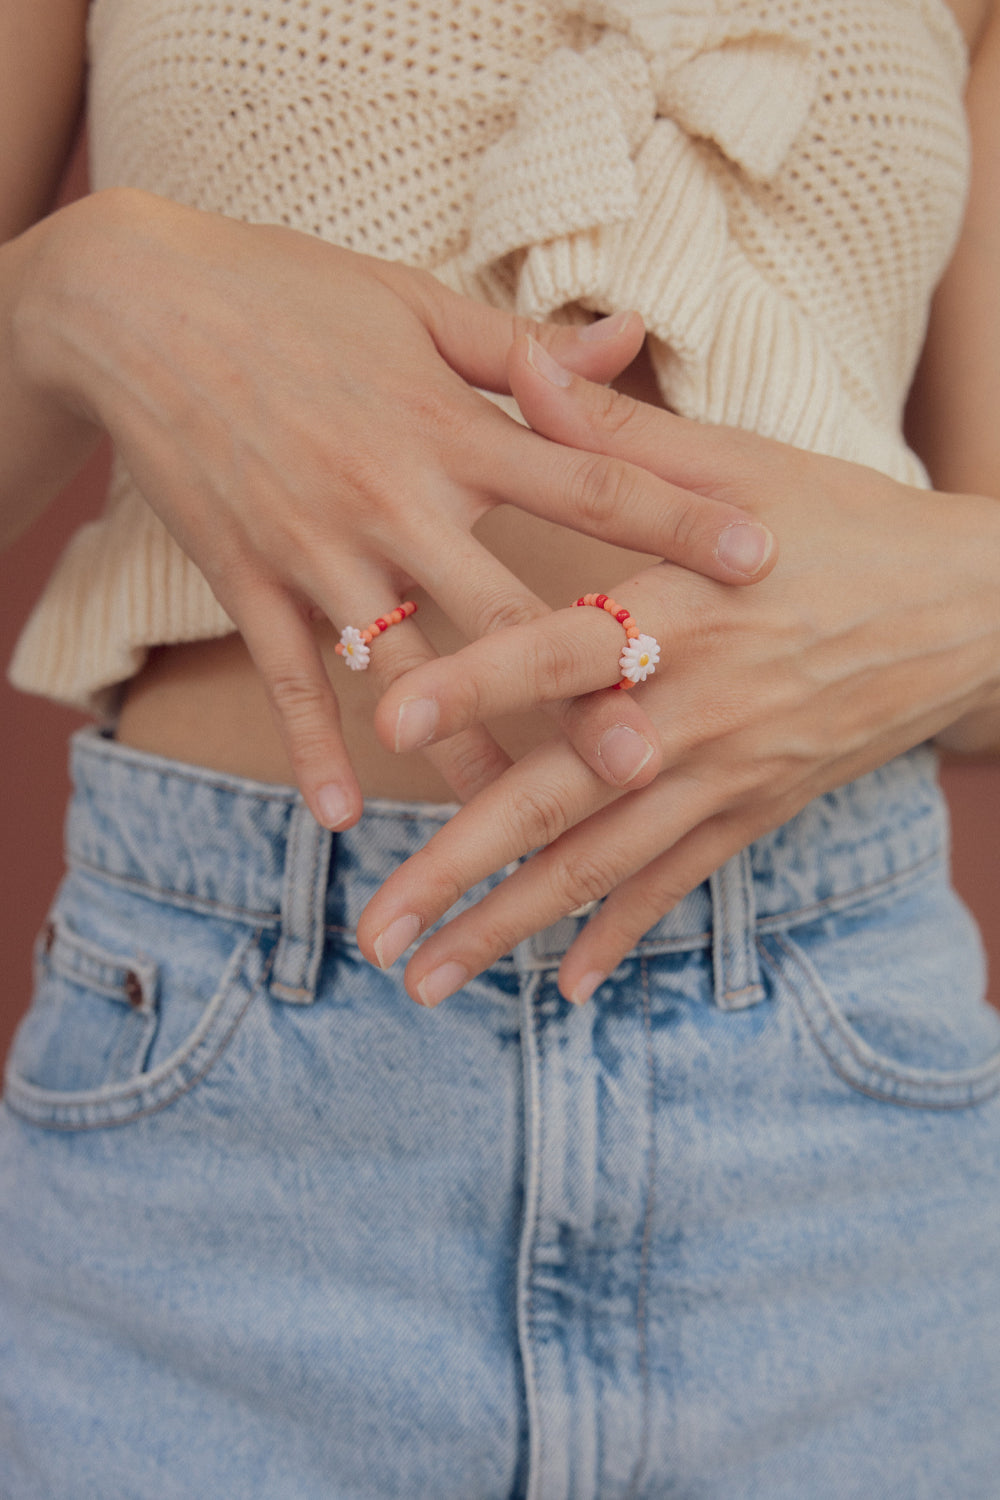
<point x="729" y="1232"/>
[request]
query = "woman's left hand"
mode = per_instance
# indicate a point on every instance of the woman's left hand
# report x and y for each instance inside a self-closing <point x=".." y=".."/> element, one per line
<point x="879" y="626"/>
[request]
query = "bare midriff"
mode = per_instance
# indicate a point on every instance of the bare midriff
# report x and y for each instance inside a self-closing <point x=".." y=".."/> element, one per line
<point x="204" y="703"/>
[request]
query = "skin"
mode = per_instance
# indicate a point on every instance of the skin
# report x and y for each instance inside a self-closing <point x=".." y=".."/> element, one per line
<point x="879" y="629"/>
<point x="293" y="519"/>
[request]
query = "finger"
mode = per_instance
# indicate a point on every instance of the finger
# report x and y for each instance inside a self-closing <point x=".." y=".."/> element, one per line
<point x="470" y="760"/>
<point x="542" y="795"/>
<point x="475" y="339"/>
<point x="637" y="475"/>
<point x="287" y="656"/>
<point x="638" y="903"/>
<point x="554" y="660"/>
<point x="485" y="600"/>
<point x="580" y="867"/>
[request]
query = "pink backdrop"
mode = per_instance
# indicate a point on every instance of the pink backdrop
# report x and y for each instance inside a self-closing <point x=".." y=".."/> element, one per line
<point x="34" y="785"/>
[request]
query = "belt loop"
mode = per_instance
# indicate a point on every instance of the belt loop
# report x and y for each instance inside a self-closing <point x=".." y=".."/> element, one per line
<point x="303" y="909"/>
<point x="734" y="948"/>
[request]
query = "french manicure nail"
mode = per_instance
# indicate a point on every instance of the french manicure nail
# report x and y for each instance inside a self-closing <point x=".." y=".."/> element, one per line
<point x="624" y="753"/>
<point x="586" y="986"/>
<point x="541" y="360"/>
<point x="334" y="805"/>
<point x="416" y="722"/>
<point x="395" y="939"/>
<point x="441" y="982"/>
<point x="603" y="328"/>
<point x="745" y="547"/>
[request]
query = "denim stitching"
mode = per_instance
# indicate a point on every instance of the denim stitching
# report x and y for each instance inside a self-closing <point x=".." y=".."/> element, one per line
<point x="642" y="1320"/>
<point x="259" y="791"/>
<point x="181" y="899"/>
<point x="986" y="1075"/>
<point x="803" y="914"/>
<point x="143" y="1084"/>
<point x="649" y="947"/>
<point x="534" y="1127"/>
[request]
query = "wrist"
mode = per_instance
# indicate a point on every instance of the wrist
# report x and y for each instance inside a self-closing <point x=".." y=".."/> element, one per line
<point x="69" y="290"/>
<point x="972" y="536"/>
<point x="45" y="435"/>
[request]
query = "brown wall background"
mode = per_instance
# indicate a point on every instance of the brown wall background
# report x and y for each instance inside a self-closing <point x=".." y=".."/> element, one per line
<point x="34" y="785"/>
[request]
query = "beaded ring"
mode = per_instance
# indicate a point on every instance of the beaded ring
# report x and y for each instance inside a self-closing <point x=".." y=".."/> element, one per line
<point x="355" y="645"/>
<point x="640" y="653"/>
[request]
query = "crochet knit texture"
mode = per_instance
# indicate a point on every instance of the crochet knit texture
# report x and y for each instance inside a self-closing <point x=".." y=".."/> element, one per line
<point x="775" y="186"/>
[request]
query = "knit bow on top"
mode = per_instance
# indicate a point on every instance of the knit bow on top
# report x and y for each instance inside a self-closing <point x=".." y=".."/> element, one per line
<point x="607" y="190"/>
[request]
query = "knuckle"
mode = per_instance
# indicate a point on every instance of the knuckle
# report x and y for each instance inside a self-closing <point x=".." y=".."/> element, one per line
<point x="499" y="610"/>
<point x="619" y="414"/>
<point x="435" y="411"/>
<point x="297" y="698"/>
<point x="582" y="881"/>
<point x="601" y="489"/>
<point x="552" y="666"/>
<point x="686" y="524"/>
<point x="539" y="813"/>
<point x="470" y="762"/>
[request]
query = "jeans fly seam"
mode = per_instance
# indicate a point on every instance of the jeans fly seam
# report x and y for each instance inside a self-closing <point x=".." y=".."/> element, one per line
<point x="529" y="1228"/>
<point x="642" y="1297"/>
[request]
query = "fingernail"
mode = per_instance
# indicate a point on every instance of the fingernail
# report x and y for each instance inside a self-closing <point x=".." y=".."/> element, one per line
<point x="624" y="753"/>
<point x="541" y="360"/>
<point x="334" y="806"/>
<point x="586" y="987"/>
<point x="416" y="722"/>
<point x="745" y="547"/>
<point x="603" y="328"/>
<point x="395" y="939"/>
<point x="439" y="983"/>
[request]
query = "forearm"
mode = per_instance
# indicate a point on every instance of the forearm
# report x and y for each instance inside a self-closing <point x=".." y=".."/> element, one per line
<point x="977" y="731"/>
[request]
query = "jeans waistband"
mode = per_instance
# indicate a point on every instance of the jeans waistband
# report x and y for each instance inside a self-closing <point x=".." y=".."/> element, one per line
<point x="250" y="851"/>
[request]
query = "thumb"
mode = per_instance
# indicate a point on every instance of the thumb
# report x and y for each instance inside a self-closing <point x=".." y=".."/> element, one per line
<point x="475" y="339"/>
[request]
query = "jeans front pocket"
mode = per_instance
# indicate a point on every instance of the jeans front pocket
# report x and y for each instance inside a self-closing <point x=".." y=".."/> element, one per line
<point x="133" y="1003"/>
<point x="891" y="993"/>
<point x="93" y="1017"/>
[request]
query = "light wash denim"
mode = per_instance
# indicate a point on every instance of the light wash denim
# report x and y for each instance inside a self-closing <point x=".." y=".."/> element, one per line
<point x="268" y="1229"/>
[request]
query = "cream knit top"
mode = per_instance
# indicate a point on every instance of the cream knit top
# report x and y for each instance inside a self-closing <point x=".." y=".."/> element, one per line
<point x="775" y="185"/>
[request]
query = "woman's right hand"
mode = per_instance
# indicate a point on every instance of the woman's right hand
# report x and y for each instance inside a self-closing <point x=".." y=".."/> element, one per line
<point x="304" y="421"/>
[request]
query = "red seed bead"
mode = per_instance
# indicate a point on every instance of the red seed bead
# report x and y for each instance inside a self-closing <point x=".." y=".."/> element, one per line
<point x="601" y="600"/>
<point x="622" y="616"/>
<point x="382" y="624"/>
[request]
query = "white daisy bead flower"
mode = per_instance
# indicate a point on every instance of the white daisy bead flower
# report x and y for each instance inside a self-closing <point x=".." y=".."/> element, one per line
<point x="638" y="659"/>
<point x="354" y="649"/>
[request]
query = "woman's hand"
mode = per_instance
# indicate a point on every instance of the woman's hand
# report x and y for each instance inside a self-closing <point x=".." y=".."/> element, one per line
<point x="303" y="420"/>
<point x="880" y="625"/>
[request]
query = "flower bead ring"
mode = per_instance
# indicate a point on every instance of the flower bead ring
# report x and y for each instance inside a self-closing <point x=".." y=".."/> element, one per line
<point x="640" y="653"/>
<point x="355" y="645"/>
